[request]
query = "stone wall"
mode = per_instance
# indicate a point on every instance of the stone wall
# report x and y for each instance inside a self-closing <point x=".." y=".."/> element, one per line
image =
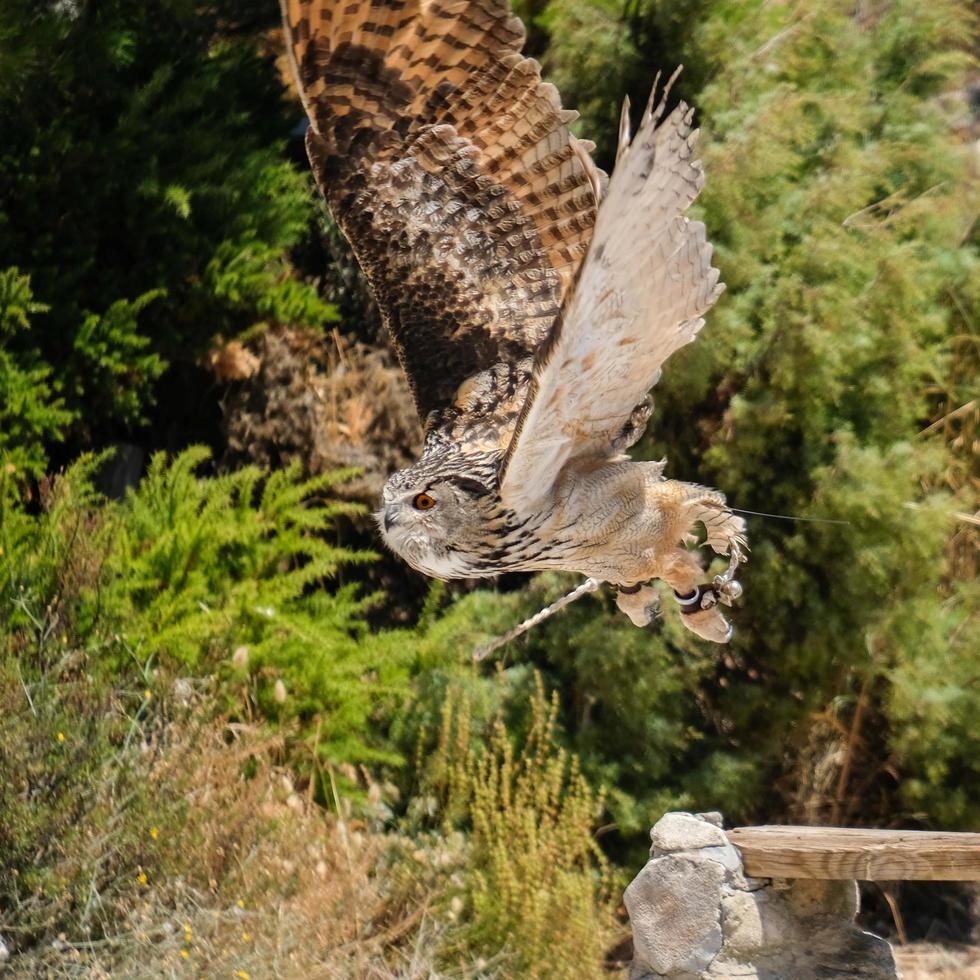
<point x="696" y="915"/>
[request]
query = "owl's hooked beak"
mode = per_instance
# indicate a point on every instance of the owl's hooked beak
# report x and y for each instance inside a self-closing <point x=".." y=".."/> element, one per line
<point x="391" y="515"/>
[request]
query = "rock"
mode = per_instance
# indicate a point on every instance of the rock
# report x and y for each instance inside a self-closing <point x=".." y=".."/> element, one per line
<point x="683" y="832"/>
<point x="727" y="856"/>
<point x="754" y="921"/>
<point x="695" y="916"/>
<point x="741" y="921"/>
<point x="731" y="969"/>
<point x="675" y="906"/>
<point x="809" y="897"/>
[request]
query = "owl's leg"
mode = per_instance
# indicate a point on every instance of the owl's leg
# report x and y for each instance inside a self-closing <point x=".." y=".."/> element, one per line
<point x="640" y="602"/>
<point x="680" y="506"/>
<point x="700" y="611"/>
<point x="726" y="536"/>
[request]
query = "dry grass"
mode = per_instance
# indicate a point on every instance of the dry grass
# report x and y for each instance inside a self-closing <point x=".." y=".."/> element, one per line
<point x="259" y="882"/>
<point x="925" y="961"/>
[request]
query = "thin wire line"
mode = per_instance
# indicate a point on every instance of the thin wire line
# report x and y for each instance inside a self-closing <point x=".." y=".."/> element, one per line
<point x="785" y="517"/>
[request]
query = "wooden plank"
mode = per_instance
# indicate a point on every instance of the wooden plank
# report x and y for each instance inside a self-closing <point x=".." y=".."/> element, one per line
<point x="836" y="853"/>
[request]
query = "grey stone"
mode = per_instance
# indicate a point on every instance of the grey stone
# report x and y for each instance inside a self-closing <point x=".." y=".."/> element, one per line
<point x="695" y="916"/>
<point x="684" y="832"/>
<point x="810" y="897"/>
<point x="674" y="906"/>
<point x="730" y="969"/>
<point x="725" y="855"/>
<point x="754" y="921"/>
<point x="741" y="921"/>
<point x="713" y="817"/>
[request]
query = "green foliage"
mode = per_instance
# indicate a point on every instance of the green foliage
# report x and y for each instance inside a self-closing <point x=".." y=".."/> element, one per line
<point x="30" y="412"/>
<point x="112" y="612"/>
<point x="835" y="199"/>
<point x="538" y="886"/>
<point x="109" y="349"/>
<point x="222" y="574"/>
<point x="143" y="189"/>
<point x="601" y="51"/>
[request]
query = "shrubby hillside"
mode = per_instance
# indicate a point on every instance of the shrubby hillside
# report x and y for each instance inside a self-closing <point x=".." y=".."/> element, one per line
<point x="228" y="724"/>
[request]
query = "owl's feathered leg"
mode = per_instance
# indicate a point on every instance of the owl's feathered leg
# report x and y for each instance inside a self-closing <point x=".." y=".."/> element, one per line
<point x="681" y="506"/>
<point x="725" y="534"/>
<point x="700" y="612"/>
<point x="640" y="602"/>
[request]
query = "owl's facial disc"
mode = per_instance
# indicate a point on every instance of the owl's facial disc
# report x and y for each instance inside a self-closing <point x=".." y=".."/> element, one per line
<point x="422" y="522"/>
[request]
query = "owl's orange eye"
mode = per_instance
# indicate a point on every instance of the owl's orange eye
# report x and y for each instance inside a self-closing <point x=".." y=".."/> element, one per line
<point x="422" y="501"/>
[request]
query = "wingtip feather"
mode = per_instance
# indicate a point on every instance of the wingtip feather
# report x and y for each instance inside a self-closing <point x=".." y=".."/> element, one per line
<point x="624" y="129"/>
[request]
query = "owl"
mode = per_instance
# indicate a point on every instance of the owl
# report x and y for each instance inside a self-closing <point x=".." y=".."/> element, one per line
<point x="531" y="300"/>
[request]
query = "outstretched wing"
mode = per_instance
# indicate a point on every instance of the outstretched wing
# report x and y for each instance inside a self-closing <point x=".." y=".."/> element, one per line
<point x="642" y="291"/>
<point x="449" y="166"/>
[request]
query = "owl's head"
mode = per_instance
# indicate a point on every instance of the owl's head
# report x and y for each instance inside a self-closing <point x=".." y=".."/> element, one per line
<point x="426" y="518"/>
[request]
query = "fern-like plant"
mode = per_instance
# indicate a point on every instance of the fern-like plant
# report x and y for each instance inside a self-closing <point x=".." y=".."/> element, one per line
<point x="233" y="574"/>
<point x="30" y="409"/>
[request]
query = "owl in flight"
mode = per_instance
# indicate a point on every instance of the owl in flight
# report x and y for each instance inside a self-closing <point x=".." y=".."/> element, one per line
<point x="531" y="300"/>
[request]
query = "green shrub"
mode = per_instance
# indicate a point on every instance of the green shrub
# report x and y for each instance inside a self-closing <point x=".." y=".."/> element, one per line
<point x="839" y="201"/>
<point x="537" y="886"/>
<point x="31" y="413"/>
<point x="115" y="613"/>
<point x="221" y="574"/>
<point x="144" y="190"/>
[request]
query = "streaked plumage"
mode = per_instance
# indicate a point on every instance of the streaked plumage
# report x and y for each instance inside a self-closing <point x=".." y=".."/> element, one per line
<point x="531" y="320"/>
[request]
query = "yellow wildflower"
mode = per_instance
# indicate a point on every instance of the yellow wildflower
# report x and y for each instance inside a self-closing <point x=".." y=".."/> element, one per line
<point x="184" y="954"/>
<point x="154" y="832"/>
<point x="142" y="879"/>
<point x="240" y="904"/>
<point x="246" y="937"/>
<point x="147" y="694"/>
<point x="61" y="736"/>
<point x="243" y="974"/>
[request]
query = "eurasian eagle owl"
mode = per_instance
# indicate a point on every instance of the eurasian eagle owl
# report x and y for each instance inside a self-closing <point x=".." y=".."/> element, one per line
<point x="531" y="300"/>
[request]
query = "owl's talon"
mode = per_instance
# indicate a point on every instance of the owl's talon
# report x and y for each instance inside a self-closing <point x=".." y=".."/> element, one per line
<point x="735" y="558"/>
<point x="708" y="623"/>
<point x="701" y="615"/>
<point x="640" y="602"/>
<point x="726" y="589"/>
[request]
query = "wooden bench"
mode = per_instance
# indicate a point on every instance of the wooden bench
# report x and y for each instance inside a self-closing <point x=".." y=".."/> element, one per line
<point x="842" y="853"/>
<point x="792" y="913"/>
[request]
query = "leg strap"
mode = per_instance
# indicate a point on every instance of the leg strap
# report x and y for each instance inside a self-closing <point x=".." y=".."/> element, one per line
<point x="629" y="589"/>
<point x="703" y="597"/>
